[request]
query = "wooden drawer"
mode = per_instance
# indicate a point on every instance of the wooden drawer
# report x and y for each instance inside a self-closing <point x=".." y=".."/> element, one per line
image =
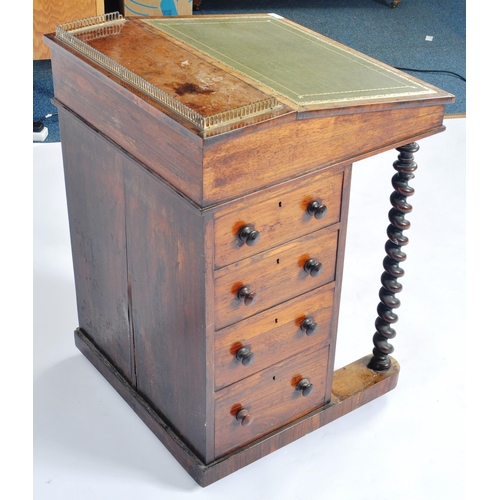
<point x="273" y="276"/>
<point x="271" y="399"/>
<point x="278" y="215"/>
<point x="297" y="325"/>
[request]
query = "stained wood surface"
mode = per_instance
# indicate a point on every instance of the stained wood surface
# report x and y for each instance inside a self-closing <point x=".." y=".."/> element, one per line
<point x="278" y="214"/>
<point x="47" y="14"/>
<point x="139" y="257"/>
<point x="357" y="386"/>
<point x="166" y="254"/>
<point x="190" y="79"/>
<point x="94" y="180"/>
<point x="339" y="269"/>
<point x="275" y="275"/>
<point x="263" y="51"/>
<point x="159" y="142"/>
<point x="166" y="212"/>
<point x="232" y="163"/>
<point x="300" y="146"/>
<point x="271" y="397"/>
<point x="273" y="335"/>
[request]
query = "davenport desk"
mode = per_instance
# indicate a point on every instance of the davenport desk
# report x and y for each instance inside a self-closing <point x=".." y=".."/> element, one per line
<point x="207" y="164"/>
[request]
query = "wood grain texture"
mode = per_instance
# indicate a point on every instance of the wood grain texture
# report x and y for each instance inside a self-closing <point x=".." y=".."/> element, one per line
<point x="278" y="214"/>
<point x="273" y="335"/>
<point x="139" y="257"/>
<point x="137" y="125"/>
<point x="94" y="180"/>
<point x="302" y="146"/>
<point x="233" y="162"/>
<point x="47" y="14"/>
<point x="156" y="208"/>
<point x="165" y="237"/>
<point x="342" y="235"/>
<point x="275" y="276"/>
<point x="271" y="397"/>
<point x="188" y="78"/>
<point x="354" y="385"/>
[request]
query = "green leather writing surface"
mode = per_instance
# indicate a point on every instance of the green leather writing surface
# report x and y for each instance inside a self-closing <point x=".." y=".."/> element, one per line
<point x="296" y="63"/>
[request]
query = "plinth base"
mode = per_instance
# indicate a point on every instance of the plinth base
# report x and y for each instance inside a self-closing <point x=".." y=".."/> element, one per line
<point x="353" y="386"/>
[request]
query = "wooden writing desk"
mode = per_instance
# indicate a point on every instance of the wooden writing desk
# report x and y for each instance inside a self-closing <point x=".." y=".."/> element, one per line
<point x="207" y="164"/>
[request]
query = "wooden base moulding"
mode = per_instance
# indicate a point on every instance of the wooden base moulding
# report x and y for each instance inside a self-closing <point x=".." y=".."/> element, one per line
<point x="353" y="386"/>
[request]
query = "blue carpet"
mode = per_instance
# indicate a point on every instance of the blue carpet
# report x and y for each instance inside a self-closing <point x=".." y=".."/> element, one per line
<point x="394" y="36"/>
<point x="43" y="91"/>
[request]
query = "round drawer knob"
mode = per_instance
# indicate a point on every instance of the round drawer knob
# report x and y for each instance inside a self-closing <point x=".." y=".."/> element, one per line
<point x="249" y="235"/>
<point x="244" y="417"/>
<point x="317" y="209"/>
<point x="313" y="267"/>
<point x="244" y="355"/>
<point x="305" y="387"/>
<point x="309" y="326"/>
<point x="246" y="295"/>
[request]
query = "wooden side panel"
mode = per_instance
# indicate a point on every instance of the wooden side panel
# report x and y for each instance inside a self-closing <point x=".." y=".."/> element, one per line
<point x="339" y="271"/>
<point x="167" y="275"/>
<point x="96" y="205"/>
<point x="251" y="161"/>
<point x="151" y="136"/>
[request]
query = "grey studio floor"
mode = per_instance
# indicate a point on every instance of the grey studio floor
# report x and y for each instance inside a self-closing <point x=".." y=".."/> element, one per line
<point x="88" y="444"/>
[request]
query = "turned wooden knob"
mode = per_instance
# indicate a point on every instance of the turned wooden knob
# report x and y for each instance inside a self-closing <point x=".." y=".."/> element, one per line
<point x="305" y="387"/>
<point x="244" y="417"/>
<point x="309" y="326"/>
<point x="313" y="267"/>
<point x="244" y="355"/>
<point x="246" y="295"/>
<point x="249" y="235"/>
<point x="317" y="209"/>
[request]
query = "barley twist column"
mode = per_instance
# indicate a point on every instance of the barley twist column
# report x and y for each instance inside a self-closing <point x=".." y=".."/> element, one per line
<point x="405" y="167"/>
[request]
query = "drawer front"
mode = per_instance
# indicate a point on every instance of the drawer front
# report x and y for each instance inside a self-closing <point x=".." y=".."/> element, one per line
<point x="277" y="215"/>
<point x="258" y="342"/>
<point x="269" y="278"/>
<point x="269" y="399"/>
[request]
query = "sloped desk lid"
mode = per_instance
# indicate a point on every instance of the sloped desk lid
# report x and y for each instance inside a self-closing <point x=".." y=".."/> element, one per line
<point x="218" y="70"/>
<point x="295" y="63"/>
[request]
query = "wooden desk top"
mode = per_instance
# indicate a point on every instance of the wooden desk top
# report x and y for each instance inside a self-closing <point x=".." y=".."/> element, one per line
<point x="218" y="70"/>
<point x="291" y="61"/>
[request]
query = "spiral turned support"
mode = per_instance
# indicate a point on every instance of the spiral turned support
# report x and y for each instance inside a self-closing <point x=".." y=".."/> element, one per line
<point x="405" y="167"/>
